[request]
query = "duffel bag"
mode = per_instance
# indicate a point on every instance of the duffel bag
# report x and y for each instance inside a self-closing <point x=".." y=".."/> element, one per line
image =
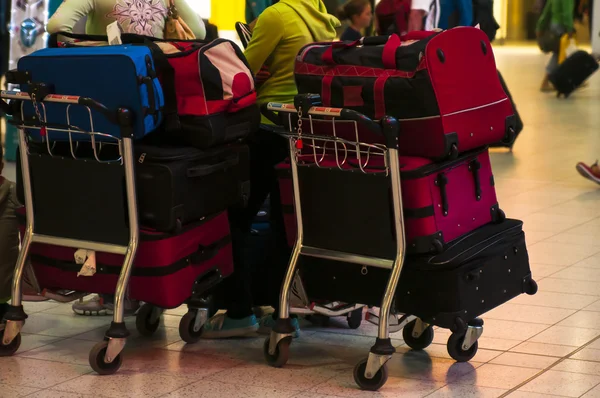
<point x="442" y="86"/>
<point x="121" y="76"/>
<point x="210" y="96"/>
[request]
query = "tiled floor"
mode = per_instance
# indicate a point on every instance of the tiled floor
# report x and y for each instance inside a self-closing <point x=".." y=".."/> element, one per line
<point x="545" y="345"/>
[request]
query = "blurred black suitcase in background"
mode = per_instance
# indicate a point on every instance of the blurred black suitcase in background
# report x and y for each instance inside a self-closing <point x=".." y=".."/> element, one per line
<point x="573" y="72"/>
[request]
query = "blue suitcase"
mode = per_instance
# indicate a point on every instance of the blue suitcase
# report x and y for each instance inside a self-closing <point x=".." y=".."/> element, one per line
<point x="116" y="76"/>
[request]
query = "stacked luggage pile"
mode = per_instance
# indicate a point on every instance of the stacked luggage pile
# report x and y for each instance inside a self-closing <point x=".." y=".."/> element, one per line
<point x="132" y="155"/>
<point x="439" y="103"/>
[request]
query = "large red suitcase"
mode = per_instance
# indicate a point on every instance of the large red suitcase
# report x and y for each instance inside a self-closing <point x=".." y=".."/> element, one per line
<point x="444" y="88"/>
<point x="441" y="201"/>
<point x="168" y="268"/>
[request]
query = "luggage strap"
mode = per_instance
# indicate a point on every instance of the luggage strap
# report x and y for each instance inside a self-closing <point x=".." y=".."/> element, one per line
<point x="203" y="254"/>
<point x="441" y="182"/>
<point x="474" y="168"/>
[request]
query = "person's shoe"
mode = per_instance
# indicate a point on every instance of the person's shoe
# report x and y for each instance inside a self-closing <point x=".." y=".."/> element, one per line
<point x="97" y="306"/>
<point x="547" y="87"/>
<point x="267" y="323"/>
<point x="221" y="326"/>
<point x="592" y="172"/>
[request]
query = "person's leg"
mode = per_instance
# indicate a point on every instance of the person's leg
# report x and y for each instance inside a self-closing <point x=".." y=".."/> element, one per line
<point x="552" y="65"/>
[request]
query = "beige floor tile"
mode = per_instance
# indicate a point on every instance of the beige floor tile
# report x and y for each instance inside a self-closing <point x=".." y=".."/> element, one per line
<point x="579" y="274"/>
<point x="39" y="306"/>
<point x="68" y="351"/>
<point x="562" y="383"/>
<point x="496" y="376"/>
<point x="590" y="262"/>
<point x="419" y="365"/>
<point x="583" y="319"/>
<point x="552" y="350"/>
<point x="126" y="384"/>
<point x="523" y="394"/>
<point x="180" y="311"/>
<point x="528" y="313"/>
<point x="441" y="351"/>
<point x="595" y="344"/>
<point x="557" y="223"/>
<point x="32" y="341"/>
<point x="37" y="374"/>
<point x="594" y="306"/>
<point x="490" y="343"/>
<point x="344" y="386"/>
<point x="532" y="236"/>
<point x="588" y="354"/>
<point x="563" y="335"/>
<point x="582" y="240"/>
<point x="466" y="391"/>
<point x="575" y="366"/>
<point x="569" y="286"/>
<point x="62" y="325"/>
<point x="511" y="330"/>
<point x="64" y="394"/>
<point x="212" y="389"/>
<point x="556" y="300"/>
<point x="593" y="393"/>
<point x="8" y="391"/>
<point x="553" y="253"/>
<point x="543" y="270"/>
<point x="524" y="360"/>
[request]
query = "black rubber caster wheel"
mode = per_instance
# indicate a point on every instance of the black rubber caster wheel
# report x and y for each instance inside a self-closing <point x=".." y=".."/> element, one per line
<point x="97" y="362"/>
<point x="282" y="352"/>
<point x="10" y="349"/>
<point x="532" y="287"/>
<point x="186" y="328"/>
<point x="143" y="321"/>
<point x="501" y="216"/>
<point x="455" y="350"/>
<point x="437" y="246"/>
<point x="373" y="384"/>
<point x="419" y="343"/>
<point x="355" y="319"/>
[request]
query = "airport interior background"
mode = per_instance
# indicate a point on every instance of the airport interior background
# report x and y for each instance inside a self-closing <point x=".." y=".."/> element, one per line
<point x="546" y="345"/>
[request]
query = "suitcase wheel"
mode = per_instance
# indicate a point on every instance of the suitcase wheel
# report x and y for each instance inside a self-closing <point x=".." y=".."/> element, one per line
<point x="455" y="350"/>
<point x="438" y="246"/>
<point x="531" y="289"/>
<point x="355" y="318"/>
<point x="97" y="362"/>
<point x="453" y="154"/>
<point x="417" y="343"/>
<point x="147" y="320"/>
<point x="11" y="348"/>
<point x="187" y="327"/>
<point x="373" y="384"/>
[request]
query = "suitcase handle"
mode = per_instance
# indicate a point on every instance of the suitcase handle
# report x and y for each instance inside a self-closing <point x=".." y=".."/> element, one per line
<point x="207" y="169"/>
<point x="388" y="56"/>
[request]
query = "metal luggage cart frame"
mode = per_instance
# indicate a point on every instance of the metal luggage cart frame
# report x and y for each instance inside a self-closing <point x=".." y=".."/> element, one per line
<point x="105" y="357"/>
<point x="350" y="156"/>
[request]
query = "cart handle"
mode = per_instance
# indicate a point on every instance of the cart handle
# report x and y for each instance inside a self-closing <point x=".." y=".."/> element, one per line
<point x="122" y="117"/>
<point x="388" y="126"/>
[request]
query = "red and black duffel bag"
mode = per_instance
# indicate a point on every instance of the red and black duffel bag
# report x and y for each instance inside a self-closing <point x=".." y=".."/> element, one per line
<point x="443" y="87"/>
<point x="210" y="96"/>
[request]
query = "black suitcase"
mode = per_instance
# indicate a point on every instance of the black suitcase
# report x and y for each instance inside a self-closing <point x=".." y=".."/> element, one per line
<point x="573" y="72"/>
<point x="175" y="185"/>
<point x="475" y="274"/>
<point x="178" y="185"/>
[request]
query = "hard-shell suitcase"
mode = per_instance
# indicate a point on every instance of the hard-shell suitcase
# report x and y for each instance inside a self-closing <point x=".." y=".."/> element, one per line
<point x="441" y="201"/>
<point x="569" y="75"/>
<point x="443" y="87"/>
<point x="116" y="76"/>
<point x="475" y="274"/>
<point x="168" y="268"/>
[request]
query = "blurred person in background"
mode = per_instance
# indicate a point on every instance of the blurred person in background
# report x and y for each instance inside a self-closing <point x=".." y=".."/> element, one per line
<point x="360" y="14"/>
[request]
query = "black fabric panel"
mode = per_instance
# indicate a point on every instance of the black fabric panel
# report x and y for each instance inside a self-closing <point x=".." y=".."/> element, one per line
<point x="211" y="80"/>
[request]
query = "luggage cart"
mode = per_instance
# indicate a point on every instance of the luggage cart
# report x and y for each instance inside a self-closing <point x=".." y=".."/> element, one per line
<point x="55" y="187"/>
<point x="327" y="169"/>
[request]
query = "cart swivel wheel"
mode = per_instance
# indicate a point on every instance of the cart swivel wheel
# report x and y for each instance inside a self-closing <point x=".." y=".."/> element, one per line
<point x="417" y="343"/>
<point x="373" y="384"/>
<point x="97" y="362"/>
<point x="455" y="350"/>
<point x="11" y="348"/>
<point x="282" y="352"/>
<point x="355" y="318"/>
<point x="143" y="321"/>
<point x="186" y="328"/>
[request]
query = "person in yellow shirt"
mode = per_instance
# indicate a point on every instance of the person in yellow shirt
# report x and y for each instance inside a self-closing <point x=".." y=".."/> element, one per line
<point x="278" y="35"/>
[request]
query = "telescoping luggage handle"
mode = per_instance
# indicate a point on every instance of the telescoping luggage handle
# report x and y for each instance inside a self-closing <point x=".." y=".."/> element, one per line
<point x="390" y="45"/>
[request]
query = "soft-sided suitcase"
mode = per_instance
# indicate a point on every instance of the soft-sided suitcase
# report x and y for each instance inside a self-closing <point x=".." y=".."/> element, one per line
<point x="444" y="88"/>
<point x="472" y="276"/>
<point x="569" y="75"/>
<point x="174" y="185"/>
<point x="168" y="268"/>
<point x="441" y="201"/>
<point x="178" y="185"/>
<point x="116" y="76"/>
<point x="518" y="120"/>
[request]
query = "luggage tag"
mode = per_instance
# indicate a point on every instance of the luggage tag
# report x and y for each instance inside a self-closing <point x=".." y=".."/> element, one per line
<point x="114" y="31"/>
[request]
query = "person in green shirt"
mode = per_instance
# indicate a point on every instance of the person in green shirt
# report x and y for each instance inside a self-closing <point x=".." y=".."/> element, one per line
<point x="143" y="17"/>
<point x="557" y="17"/>
<point x="279" y="34"/>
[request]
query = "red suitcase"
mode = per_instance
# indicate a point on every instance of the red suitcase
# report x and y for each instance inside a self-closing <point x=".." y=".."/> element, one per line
<point x="444" y="88"/>
<point x="441" y="201"/>
<point x="168" y="268"/>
